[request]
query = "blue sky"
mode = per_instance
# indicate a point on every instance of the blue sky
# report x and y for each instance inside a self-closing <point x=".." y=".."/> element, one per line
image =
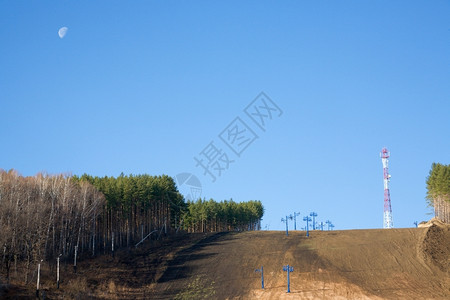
<point x="145" y="86"/>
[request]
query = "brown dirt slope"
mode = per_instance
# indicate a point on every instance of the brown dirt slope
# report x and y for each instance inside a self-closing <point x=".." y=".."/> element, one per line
<point x="352" y="264"/>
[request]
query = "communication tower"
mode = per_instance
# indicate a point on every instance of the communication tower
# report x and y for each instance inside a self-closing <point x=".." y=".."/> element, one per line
<point x="387" y="215"/>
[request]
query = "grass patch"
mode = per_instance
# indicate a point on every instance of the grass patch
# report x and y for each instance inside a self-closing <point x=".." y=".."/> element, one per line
<point x="199" y="288"/>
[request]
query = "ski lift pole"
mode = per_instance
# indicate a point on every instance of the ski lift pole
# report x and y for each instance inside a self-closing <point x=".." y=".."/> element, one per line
<point x="307" y="219"/>
<point x="262" y="276"/>
<point x="313" y="215"/>
<point x="287" y="220"/>
<point x="287" y="230"/>
<point x="295" y="219"/>
<point x="288" y="269"/>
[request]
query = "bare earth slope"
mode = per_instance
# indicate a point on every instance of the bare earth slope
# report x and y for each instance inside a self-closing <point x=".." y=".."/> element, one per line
<point x="354" y="264"/>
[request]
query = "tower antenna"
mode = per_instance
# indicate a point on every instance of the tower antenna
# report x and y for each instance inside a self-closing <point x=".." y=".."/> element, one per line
<point x="387" y="214"/>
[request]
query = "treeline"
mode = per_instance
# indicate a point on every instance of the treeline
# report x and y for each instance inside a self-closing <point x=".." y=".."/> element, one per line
<point x="212" y="216"/>
<point x="438" y="190"/>
<point x="137" y="205"/>
<point x="43" y="216"/>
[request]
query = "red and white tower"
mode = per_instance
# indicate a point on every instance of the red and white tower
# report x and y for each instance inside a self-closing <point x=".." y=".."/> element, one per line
<point x="387" y="216"/>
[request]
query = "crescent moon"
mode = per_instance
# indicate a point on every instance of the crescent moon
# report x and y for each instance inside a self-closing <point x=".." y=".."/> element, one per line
<point x="62" y="32"/>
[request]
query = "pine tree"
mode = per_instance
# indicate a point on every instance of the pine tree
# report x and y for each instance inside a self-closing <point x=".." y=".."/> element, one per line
<point x="438" y="191"/>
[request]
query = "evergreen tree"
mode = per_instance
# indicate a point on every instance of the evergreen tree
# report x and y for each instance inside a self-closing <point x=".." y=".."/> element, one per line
<point x="438" y="190"/>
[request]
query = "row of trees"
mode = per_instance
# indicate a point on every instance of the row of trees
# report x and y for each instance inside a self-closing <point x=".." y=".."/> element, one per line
<point x="212" y="216"/>
<point x="137" y="205"/>
<point x="438" y="190"/>
<point x="44" y="216"/>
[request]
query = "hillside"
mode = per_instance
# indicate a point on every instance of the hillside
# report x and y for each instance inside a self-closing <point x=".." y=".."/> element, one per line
<point x="407" y="263"/>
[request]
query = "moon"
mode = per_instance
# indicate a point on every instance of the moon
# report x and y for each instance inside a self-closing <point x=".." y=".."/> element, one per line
<point x="62" y="32"/>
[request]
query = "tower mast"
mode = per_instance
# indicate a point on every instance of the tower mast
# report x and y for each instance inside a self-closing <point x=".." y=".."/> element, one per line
<point x="387" y="215"/>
